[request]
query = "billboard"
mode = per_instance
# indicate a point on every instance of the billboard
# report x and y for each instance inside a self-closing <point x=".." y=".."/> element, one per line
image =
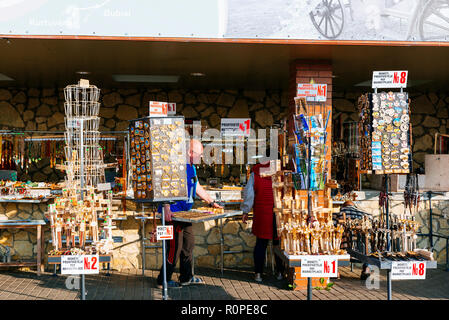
<point x="373" y="20"/>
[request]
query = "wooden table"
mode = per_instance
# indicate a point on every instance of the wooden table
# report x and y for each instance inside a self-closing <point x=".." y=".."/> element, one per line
<point x="27" y="224"/>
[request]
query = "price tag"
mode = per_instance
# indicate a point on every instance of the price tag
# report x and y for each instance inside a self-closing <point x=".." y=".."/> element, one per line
<point x="235" y="127"/>
<point x="312" y="92"/>
<point x="82" y="264"/>
<point x="316" y="267"/>
<point x="158" y="109"/>
<point x="164" y="232"/>
<point x="103" y="186"/>
<point x="408" y="270"/>
<point x="390" y="79"/>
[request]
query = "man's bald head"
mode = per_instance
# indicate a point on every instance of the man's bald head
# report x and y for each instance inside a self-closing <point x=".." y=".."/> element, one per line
<point x="194" y="151"/>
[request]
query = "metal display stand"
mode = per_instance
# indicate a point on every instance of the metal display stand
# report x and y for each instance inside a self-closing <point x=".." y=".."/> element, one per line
<point x="431" y="234"/>
<point x="295" y="261"/>
<point x="27" y="224"/>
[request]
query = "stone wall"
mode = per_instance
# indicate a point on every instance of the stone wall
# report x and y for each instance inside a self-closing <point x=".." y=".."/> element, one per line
<point x="43" y="109"/>
<point x="22" y="242"/>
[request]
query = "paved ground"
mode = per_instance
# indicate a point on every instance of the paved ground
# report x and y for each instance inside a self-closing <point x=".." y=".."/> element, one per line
<point x="233" y="285"/>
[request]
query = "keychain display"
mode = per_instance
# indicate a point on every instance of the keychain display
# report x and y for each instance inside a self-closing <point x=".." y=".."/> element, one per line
<point x="158" y="158"/>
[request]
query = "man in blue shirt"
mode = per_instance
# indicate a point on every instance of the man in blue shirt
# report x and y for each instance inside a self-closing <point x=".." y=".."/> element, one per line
<point x="181" y="246"/>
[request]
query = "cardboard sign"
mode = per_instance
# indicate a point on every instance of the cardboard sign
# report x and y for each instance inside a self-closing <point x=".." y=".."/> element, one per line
<point x="158" y="109"/>
<point x="103" y="186"/>
<point x="390" y="79"/>
<point x="318" y="267"/>
<point x="235" y="127"/>
<point x="408" y="270"/>
<point x="312" y="92"/>
<point x="171" y="109"/>
<point x="82" y="264"/>
<point x="164" y="232"/>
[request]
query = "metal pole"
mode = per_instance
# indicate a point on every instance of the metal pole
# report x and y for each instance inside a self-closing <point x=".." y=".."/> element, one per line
<point x="429" y="194"/>
<point x="83" y="284"/>
<point x="447" y="257"/>
<point x="309" y="288"/>
<point x="143" y="246"/>
<point x="309" y="206"/>
<point x="387" y="212"/>
<point x="164" y="261"/>
<point x="389" y="284"/>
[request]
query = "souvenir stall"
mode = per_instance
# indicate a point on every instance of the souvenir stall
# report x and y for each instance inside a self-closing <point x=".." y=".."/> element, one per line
<point x="388" y="241"/>
<point x="303" y="204"/>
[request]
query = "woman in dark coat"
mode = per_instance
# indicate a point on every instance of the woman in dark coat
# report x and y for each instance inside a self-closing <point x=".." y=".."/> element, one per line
<point x="258" y="195"/>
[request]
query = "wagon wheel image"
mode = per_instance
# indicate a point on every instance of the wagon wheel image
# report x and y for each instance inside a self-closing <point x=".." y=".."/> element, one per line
<point x="434" y="21"/>
<point x="328" y="18"/>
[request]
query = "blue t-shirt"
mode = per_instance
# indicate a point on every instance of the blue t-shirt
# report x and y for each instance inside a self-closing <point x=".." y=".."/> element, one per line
<point x="192" y="180"/>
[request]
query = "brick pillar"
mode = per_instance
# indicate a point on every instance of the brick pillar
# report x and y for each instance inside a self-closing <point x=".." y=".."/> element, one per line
<point x="301" y="71"/>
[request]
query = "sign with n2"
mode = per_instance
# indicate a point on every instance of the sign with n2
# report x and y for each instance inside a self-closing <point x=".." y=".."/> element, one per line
<point x="235" y="127"/>
<point x="171" y="111"/>
<point x="390" y="79"/>
<point x="164" y="232"/>
<point x="83" y="264"/>
<point x="408" y="270"/>
<point x="314" y="267"/>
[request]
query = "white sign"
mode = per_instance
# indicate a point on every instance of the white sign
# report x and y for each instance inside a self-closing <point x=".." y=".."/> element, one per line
<point x="235" y="127"/>
<point x="83" y="264"/>
<point x="158" y="109"/>
<point x="312" y="92"/>
<point x="103" y="186"/>
<point x="164" y="232"/>
<point x="390" y="79"/>
<point x="408" y="270"/>
<point x="317" y="267"/>
<point x="171" y="109"/>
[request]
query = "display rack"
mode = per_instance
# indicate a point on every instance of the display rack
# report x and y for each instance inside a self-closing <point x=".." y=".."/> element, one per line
<point x="431" y="234"/>
<point x="27" y="224"/>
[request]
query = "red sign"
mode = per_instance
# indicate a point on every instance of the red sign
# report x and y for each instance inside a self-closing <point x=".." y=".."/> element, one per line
<point x="171" y="109"/>
<point x="312" y="92"/>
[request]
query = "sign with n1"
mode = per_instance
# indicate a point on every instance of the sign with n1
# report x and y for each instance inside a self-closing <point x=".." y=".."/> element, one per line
<point x="390" y="79"/>
<point x="158" y="109"/>
<point x="235" y="127"/>
<point x="408" y="270"/>
<point x="103" y="186"/>
<point x="312" y="92"/>
<point x="316" y="267"/>
<point x="164" y="233"/>
<point x="82" y="264"/>
<point x="171" y="109"/>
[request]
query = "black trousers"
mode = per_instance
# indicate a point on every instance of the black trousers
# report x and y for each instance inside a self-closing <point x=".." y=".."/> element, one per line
<point x="260" y="250"/>
<point x="179" y="248"/>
